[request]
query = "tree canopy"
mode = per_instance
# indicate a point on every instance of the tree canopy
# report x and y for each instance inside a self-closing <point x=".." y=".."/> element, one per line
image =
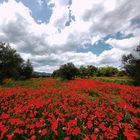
<point x="131" y="64"/>
<point x="12" y="65"/>
<point x="67" y="71"/>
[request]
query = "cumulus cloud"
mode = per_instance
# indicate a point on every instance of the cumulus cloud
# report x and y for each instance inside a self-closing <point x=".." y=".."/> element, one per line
<point x="52" y="44"/>
<point x="125" y="44"/>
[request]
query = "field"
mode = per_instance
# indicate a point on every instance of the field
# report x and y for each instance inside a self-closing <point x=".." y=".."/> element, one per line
<point x="119" y="80"/>
<point x="80" y="109"/>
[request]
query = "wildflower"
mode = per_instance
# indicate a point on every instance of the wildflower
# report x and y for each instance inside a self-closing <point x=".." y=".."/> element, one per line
<point x="33" y="137"/>
<point x="43" y="132"/>
<point x="10" y="136"/>
<point x="93" y="137"/>
<point x="54" y="126"/>
<point x="66" y="138"/>
<point x="89" y="124"/>
<point x="76" y="131"/>
<point x="96" y="130"/>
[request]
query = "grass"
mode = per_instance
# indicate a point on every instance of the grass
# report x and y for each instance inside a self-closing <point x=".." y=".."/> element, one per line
<point x="26" y="83"/>
<point x="125" y="81"/>
<point x="18" y="83"/>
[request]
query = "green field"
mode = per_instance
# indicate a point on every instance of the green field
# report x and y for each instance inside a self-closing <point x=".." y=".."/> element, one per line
<point x="119" y="80"/>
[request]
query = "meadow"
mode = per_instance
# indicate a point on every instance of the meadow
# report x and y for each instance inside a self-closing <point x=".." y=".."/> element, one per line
<point x="80" y="109"/>
<point x="116" y="79"/>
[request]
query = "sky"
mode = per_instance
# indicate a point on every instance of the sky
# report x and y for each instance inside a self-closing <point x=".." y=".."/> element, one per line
<point x="85" y="32"/>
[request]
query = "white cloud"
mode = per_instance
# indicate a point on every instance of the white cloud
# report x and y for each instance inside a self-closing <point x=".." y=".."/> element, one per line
<point x="111" y="57"/>
<point x="125" y="44"/>
<point x="59" y="13"/>
<point x="95" y="39"/>
<point x="49" y="45"/>
<point x="40" y="2"/>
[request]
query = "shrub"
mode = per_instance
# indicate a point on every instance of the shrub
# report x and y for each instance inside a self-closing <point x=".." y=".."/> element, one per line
<point x="66" y="72"/>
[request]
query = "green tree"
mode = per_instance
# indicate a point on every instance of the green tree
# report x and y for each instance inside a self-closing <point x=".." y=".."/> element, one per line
<point x="121" y="73"/>
<point x="67" y="71"/>
<point x="107" y="71"/>
<point x="12" y="65"/>
<point x="10" y="61"/>
<point x="26" y="70"/>
<point x="131" y="64"/>
<point x="56" y="73"/>
<point x="82" y="72"/>
<point x="91" y="70"/>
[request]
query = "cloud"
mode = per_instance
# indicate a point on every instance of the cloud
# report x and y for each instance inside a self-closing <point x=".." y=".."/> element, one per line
<point x="52" y="44"/>
<point x="40" y="2"/>
<point x="125" y="44"/>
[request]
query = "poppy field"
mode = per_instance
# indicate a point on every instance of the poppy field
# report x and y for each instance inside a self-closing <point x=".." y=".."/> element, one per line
<point x="79" y="109"/>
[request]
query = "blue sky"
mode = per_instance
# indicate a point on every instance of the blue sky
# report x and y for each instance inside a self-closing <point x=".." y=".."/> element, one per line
<point x="40" y="10"/>
<point x="54" y="32"/>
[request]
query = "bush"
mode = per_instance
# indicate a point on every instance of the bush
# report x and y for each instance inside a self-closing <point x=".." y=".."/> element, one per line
<point x="107" y="71"/>
<point x="66" y="72"/>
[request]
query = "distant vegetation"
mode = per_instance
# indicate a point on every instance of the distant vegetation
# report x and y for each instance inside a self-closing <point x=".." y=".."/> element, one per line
<point x="13" y="66"/>
<point x="66" y="72"/>
<point x="69" y="71"/>
<point x="131" y="68"/>
<point x="119" y="80"/>
<point x="91" y="71"/>
<point x="41" y="74"/>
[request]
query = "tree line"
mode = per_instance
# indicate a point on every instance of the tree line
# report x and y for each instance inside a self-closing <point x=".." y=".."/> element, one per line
<point x="13" y="66"/>
<point x="69" y="71"/>
<point x="131" y="68"/>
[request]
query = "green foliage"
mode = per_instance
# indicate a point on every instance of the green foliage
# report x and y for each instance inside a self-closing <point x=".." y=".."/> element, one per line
<point x="91" y="71"/>
<point x="116" y="80"/>
<point x="56" y="73"/>
<point x="107" y="71"/>
<point x="12" y="65"/>
<point x="82" y="72"/>
<point x="132" y="64"/>
<point x="93" y="94"/>
<point x="86" y="71"/>
<point x="27" y="70"/>
<point x="121" y="73"/>
<point x="10" y="61"/>
<point x="67" y="71"/>
<point x="18" y="83"/>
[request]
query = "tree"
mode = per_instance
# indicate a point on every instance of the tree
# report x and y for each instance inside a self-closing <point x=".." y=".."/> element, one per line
<point x="26" y="70"/>
<point x="12" y="65"/>
<point x="121" y="73"/>
<point x="10" y="61"/>
<point x="82" y="72"/>
<point x="67" y="71"/>
<point x="88" y="71"/>
<point x="107" y="71"/>
<point x="91" y="70"/>
<point x="131" y="64"/>
<point x="56" y="73"/>
<point x="1" y="77"/>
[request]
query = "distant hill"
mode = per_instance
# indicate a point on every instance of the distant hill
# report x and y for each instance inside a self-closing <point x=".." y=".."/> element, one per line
<point x="42" y="74"/>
